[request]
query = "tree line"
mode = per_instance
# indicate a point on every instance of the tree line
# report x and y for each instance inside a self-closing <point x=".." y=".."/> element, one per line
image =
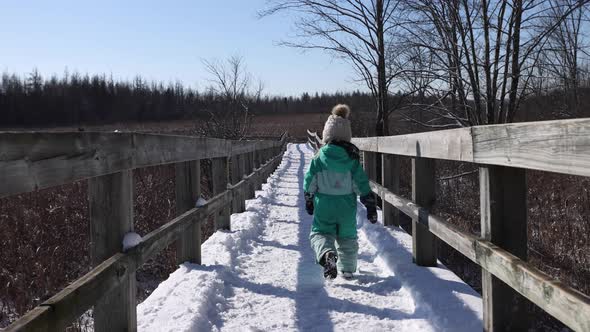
<point x="76" y="99"/>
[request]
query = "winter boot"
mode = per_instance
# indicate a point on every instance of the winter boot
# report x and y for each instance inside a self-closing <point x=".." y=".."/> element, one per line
<point x="328" y="261"/>
<point x="347" y="275"/>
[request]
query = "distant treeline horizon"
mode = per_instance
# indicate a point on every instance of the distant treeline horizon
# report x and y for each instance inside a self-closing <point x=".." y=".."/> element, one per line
<point x="84" y="99"/>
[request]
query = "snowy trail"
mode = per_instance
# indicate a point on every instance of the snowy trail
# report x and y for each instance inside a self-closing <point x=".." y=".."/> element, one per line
<point x="261" y="276"/>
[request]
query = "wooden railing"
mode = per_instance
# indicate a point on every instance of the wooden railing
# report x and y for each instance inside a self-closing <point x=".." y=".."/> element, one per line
<point x="32" y="161"/>
<point x="503" y="152"/>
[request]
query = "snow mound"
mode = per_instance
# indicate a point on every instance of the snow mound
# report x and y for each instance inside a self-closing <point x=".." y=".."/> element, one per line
<point x="200" y="202"/>
<point x="130" y="240"/>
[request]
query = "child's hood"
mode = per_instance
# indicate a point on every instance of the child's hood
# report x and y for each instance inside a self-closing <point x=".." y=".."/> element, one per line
<point x="335" y="158"/>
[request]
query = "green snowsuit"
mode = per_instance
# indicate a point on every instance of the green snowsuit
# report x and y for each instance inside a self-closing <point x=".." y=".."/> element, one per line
<point x="335" y="179"/>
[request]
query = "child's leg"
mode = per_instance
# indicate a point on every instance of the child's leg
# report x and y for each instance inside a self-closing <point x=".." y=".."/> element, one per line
<point x="324" y="228"/>
<point x="347" y="254"/>
<point x="321" y="243"/>
<point x="347" y="237"/>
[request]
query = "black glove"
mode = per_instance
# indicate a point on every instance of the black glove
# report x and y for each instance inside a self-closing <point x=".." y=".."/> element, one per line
<point x="370" y="203"/>
<point x="309" y="203"/>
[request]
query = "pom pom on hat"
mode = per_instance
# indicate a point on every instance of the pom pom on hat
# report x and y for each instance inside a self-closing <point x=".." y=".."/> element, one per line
<point x="341" y="110"/>
<point x="337" y="127"/>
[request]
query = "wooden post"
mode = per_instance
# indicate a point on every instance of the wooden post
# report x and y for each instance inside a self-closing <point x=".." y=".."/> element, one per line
<point x="370" y="164"/>
<point x="219" y="177"/>
<point x="250" y="166"/>
<point x="266" y="154"/>
<point x="504" y="223"/>
<point x="258" y="158"/>
<point x="242" y="169"/>
<point x="254" y="160"/>
<point x="390" y="176"/>
<point x="423" y="194"/>
<point x="188" y="191"/>
<point x="235" y="178"/>
<point x="263" y="155"/>
<point x="111" y="216"/>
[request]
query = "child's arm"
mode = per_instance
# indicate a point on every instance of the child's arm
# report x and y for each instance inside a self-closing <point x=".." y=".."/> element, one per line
<point x="310" y="183"/>
<point x="310" y="186"/>
<point x="361" y="181"/>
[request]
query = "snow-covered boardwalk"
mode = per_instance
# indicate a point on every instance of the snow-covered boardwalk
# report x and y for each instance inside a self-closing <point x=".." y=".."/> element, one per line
<point x="261" y="276"/>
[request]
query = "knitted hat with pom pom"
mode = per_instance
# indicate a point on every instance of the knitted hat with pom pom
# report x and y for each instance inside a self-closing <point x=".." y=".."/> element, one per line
<point x="337" y="127"/>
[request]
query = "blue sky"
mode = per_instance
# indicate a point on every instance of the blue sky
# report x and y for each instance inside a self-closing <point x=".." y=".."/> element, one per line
<point x="161" y="40"/>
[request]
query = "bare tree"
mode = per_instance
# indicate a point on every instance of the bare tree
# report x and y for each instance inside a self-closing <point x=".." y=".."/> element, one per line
<point x="234" y="90"/>
<point x="560" y="65"/>
<point x="484" y="53"/>
<point x="356" y="31"/>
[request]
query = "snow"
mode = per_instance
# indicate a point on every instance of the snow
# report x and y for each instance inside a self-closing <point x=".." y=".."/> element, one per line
<point x="200" y="202"/>
<point x="261" y="276"/>
<point x="130" y="240"/>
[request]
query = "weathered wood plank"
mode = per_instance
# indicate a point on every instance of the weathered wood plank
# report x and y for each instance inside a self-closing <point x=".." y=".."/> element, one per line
<point x="250" y="169"/>
<point x="36" y="160"/>
<point x="314" y="140"/>
<point x="220" y="180"/>
<point x="454" y="144"/>
<point x="390" y="177"/>
<point x="370" y="164"/>
<point x="504" y="223"/>
<point x="236" y="176"/>
<point x="242" y="172"/>
<point x="107" y="284"/>
<point x="561" y="301"/>
<point x="423" y="194"/>
<point x="241" y="147"/>
<point x="81" y="295"/>
<point x="33" y="161"/>
<point x="36" y="320"/>
<point x="188" y="191"/>
<point x="60" y="310"/>
<point x="111" y="216"/>
<point x="74" y="300"/>
<point x="561" y="146"/>
<point x="461" y="241"/>
<point x="166" y="234"/>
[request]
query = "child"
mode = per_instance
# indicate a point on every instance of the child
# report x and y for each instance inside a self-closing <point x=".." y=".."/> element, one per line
<point x="331" y="185"/>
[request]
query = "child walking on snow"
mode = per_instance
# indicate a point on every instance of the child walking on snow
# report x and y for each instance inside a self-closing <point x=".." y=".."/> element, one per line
<point x="331" y="185"/>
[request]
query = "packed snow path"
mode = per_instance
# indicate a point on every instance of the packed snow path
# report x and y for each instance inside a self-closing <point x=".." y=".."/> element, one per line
<point x="261" y="276"/>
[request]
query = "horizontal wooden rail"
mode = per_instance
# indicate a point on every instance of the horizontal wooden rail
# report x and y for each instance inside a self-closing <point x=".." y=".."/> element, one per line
<point x="38" y="160"/>
<point x="60" y="310"/>
<point x="561" y="146"/>
<point x="313" y="139"/>
<point x="564" y="303"/>
<point x="502" y="151"/>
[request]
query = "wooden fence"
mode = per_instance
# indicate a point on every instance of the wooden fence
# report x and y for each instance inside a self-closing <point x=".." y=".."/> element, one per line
<point x="503" y="152"/>
<point x="32" y="161"/>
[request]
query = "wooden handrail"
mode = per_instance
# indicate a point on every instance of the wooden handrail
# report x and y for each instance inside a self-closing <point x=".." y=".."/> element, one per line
<point x="36" y="160"/>
<point x="562" y="302"/>
<point x="313" y="139"/>
<point x="561" y="146"/>
<point x="113" y="274"/>
<point x="502" y="151"/>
